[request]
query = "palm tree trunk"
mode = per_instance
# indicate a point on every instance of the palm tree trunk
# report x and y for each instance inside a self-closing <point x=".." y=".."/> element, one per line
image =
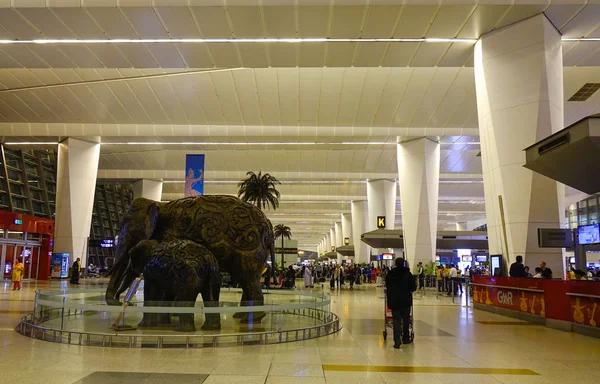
<point x="282" y="253"/>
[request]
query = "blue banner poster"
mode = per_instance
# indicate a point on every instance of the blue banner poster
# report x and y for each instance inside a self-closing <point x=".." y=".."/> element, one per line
<point x="194" y="175"/>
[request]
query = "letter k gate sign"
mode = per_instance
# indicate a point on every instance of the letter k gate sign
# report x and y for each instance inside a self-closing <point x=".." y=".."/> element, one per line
<point x="380" y="222"/>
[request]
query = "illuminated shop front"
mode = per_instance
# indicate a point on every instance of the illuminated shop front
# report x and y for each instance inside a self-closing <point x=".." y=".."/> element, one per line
<point x="28" y="238"/>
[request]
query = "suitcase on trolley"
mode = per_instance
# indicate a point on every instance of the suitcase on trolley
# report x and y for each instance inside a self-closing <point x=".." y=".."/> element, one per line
<point x="389" y="323"/>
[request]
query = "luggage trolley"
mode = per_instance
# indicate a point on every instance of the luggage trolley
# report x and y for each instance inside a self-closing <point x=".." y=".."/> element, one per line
<point x="388" y="321"/>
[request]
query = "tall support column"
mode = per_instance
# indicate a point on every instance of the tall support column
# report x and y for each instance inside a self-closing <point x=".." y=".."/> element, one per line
<point x="346" y="226"/>
<point x="339" y="239"/>
<point x="328" y="242"/>
<point x="76" y="184"/>
<point x="333" y="238"/>
<point x="419" y="175"/>
<point x="519" y="84"/>
<point x="149" y="189"/>
<point x="359" y="226"/>
<point x="381" y="200"/>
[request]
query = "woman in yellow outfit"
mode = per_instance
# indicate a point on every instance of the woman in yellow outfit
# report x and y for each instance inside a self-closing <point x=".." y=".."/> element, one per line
<point x="17" y="273"/>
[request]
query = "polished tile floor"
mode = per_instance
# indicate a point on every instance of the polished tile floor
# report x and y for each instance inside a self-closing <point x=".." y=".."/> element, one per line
<point x="453" y="344"/>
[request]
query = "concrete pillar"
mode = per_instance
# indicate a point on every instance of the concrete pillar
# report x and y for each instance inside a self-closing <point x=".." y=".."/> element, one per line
<point x="333" y="238"/>
<point x="328" y="242"/>
<point x="419" y="175"/>
<point x="75" y="187"/>
<point x="381" y="200"/>
<point x="359" y="226"/>
<point x="149" y="189"/>
<point x="519" y="84"/>
<point x="339" y="238"/>
<point x="346" y="227"/>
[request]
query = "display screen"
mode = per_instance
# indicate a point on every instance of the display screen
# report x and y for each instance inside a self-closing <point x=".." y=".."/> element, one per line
<point x="467" y="258"/>
<point x="589" y="234"/>
<point x="572" y="260"/>
<point x="481" y="259"/>
<point x="495" y="261"/>
<point x="387" y="256"/>
<point x="437" y="258"/>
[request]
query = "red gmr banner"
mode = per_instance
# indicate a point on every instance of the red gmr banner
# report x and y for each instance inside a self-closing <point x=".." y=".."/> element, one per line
<point x="516" y="300"/>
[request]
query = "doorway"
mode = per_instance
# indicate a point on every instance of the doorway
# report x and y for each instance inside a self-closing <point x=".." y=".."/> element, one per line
<point x="28" y="251"/>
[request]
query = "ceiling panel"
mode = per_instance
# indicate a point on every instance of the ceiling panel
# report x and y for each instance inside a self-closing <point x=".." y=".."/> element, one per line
<point x="313" y="21"/>
<point x="415" y="91"/>
<point x="381" y="21"/>
<point x="415" y="21"/>
<point x="112" y="22"/>
<point x="482" y="20"/>
<point x="212" y="22"/>
<point x="178" y="22"/>
<point x="428" y="54"/>
<point x="583" y="23"/>
<point x="346" y="21"/>
<point x="449" y="21"/>
<point x="280" y="22"/>
<point x="246" y="21"/>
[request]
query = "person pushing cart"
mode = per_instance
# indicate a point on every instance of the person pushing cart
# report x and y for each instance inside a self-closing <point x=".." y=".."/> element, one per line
<point x="400" y="285"/>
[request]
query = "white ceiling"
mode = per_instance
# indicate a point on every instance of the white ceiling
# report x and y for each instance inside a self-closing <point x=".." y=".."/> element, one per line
<point x="332" y="94"/>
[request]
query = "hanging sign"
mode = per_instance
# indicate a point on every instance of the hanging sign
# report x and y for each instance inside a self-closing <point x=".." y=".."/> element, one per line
<point x="194" y="175"/>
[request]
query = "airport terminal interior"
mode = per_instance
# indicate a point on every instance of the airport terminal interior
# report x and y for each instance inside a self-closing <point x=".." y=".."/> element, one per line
<point x="226" y="191"/>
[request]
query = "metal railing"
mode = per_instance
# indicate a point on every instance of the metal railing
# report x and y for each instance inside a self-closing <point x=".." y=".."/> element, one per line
<point x="37" y="324"/>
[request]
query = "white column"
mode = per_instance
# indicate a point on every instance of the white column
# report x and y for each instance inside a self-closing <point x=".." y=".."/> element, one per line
<point x="328" y="242"/>
<point x="76" y="184"/>
<point x="319" y="249"/>
<point x="381" y="200"/>
<point x="339" y="238"/>
<point x="346" y="226"/>
<point x="519" y="84"/>
<point x="149" y="189"/>
<point x="333" y="238"/>
<point x="359" y="226"/>
<point x="419" y="175"/>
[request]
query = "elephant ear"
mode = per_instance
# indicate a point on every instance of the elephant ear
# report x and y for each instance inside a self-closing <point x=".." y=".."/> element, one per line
<point x="151" y="220"/>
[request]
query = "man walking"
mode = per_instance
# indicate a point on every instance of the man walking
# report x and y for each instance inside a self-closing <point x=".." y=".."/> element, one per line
<point x="546" y="272"/>
<point x="400" y="285"/>
<point x="421" y="274"/>
<point x="517" y="269"/>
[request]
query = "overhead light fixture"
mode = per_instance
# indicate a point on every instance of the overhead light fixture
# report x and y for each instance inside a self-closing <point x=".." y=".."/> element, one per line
<point x="250" y="143"/>
<point x="580" y="39"/>
<point x="241" y="41"/>
<point x="32" y="143"/>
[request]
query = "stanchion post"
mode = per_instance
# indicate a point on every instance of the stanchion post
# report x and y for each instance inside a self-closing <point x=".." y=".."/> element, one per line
<point x="452" y="289"/>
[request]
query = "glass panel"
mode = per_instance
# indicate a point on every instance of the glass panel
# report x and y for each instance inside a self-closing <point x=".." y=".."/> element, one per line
<point x="31" y="169"/>
<point x="14" y="175"/>
<point x="10" y="251"/>
<point x="12" y="162"/>
<point x="49" y="175"/>
<point x="37" y="195"/>
<point x="25" y="256"/>
<point x="38" y="207"/>
<point x="17" y="189"/>
<point x="18" y="203"/>
<point x="15" y="235"/>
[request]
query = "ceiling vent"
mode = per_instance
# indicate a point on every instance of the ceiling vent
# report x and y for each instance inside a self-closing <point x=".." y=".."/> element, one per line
<point x="585" y="92"/>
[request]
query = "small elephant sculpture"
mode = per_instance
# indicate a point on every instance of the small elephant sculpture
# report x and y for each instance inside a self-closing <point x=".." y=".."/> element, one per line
<point x="175" y="274"/>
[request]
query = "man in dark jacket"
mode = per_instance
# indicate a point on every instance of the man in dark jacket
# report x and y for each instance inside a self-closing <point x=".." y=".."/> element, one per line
<point x="400" y="285"/>
<point x="517" y="269"/>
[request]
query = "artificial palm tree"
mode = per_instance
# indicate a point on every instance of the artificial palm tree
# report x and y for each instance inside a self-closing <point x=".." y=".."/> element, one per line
<point x="284" y="232"/>
<point x="261" y="191"/>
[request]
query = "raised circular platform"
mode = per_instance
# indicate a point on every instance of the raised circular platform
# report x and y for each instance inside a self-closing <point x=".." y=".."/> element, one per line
<point x="81" y="317"/>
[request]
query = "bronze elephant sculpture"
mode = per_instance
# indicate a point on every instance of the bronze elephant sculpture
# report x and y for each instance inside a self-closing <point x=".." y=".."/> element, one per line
<point x="238" y="234"/>
<point x="176" y="273"/>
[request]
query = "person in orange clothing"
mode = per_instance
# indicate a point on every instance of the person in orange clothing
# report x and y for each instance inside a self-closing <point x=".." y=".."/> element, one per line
<point x="17" y="273"/>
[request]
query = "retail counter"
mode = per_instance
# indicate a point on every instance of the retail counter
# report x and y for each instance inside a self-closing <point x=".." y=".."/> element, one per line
<point x="567" y="305"/>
